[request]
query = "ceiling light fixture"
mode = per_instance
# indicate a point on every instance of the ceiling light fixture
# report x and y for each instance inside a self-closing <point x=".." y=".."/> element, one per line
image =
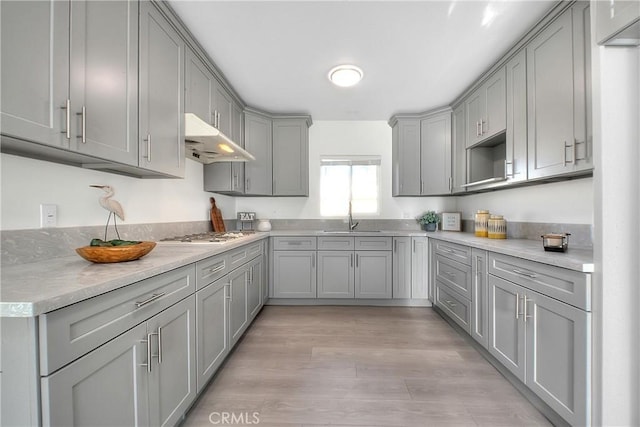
<point x="345" y="75"/>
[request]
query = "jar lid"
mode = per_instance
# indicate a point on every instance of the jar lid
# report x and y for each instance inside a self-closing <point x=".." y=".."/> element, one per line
<point x="495" y="217"/>
<point x="481" y="211"/>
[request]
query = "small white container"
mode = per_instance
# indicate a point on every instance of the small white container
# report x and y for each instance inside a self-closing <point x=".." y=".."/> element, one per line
<point x="264" y="225"/>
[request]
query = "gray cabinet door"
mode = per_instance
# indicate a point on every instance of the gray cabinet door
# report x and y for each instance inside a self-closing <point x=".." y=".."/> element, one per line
<point x="161" y="83"/>
<point x="373" y="274"/>
<point x="237" y="135"/>
<point x="516" y="137"/>
<point x="222" y="108"/>
<point x="495" y="114"/>
<point x="406" y="158"/>
<point x="506" y="329"/>
<point x="401" y="267"/>
<point x="480" y="297"/>
<point x="238" y="318"/>
<point x="553" y="101"/>
<point x="473" y="107"/>
<point x="558" y="362"/>
<point x="103" y="79"/>
<point x="257" y="141"/>
<point x="419" y="268"/>
<point x="294" y="274"/>
<point x="198" y="87"/>
<point x="35" y="85"/>
<point x="435" y="155"/>
<point x="108" y="385"/>
<point x="254" y="286"/>
<point x="212" y="328"/>
<point x="290" y="157"/>
<point x="336" y="274"/>
<point x="172" y="382"/>
<point x="459" y="149"/>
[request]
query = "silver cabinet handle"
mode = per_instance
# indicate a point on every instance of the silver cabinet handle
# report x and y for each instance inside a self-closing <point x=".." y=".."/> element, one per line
<point x="246" y="185"/>
<point x="227" y="287"/>
<point x="148" y="342"/>
<point x="566" y="162"/>
<point x="414" y="246"/>
<point x="524" y="273"/>
<point x="450" y="303"/>
<point x="421" y="187"/>
<point x="357" y="259"/>
<point x="351" y="257"/>
<point x="525" y="316"/>
<point x="450" y="184"/>
<point x="481" y="127"/>
<point x="508" y="165"/>
<point x="83" y="113"/>
<point x="159" y="345"/>
<point x="67" y="118"/>
<point x="149" y="300"/>
<point x="477" y="128"/>
<point x="517" y="306"/>
<point x="217" y="269"/>
<point x="148" y="141"/>
<point x="450" y="274"/>
<point x="575" y="149"/>
<point x="395" y="246"/>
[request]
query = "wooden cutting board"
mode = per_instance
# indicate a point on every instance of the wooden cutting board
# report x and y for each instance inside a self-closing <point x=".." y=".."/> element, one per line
<point x="216" y="217"/>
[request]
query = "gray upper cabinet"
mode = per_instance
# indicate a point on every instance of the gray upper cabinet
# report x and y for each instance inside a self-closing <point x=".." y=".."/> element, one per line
<point x="258" y="141"/>
<point x="486" y="109"/>
<point x="35" y="86"/>
<point x="618" y="22"/>
<point x="516" y="137"/>
<point x="74" y="47"/>
<point x="199" y="84"/>
<point x="290" y="157"/>
<point x="558" y="81"/>
<point x="104" y="47"/>
<point x="161" y="94"/>
<point x="405" y="158"/>
<point x="222" y="108"/>
<point x="459" y="149"/>
<point x="435" y="154"/>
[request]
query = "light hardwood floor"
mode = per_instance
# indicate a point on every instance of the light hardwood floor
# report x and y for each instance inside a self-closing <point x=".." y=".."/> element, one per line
<point x="358" y="366"/>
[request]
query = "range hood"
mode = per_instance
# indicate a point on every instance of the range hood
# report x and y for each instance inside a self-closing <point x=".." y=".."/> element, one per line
<point x="206" y="144"/>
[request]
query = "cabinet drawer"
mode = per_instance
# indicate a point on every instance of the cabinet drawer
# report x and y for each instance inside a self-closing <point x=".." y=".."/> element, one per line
<point x="455" y="275"/>
<point x="572" y="287"/>
<point x="453" y="251"/>
<point x="373" y="243"/>
<point x="294" y="243"/>
<point x="336" y="243"/>
<point x="211" y="269"/>
<point x="244" y="254"/>
<point x="72" y="331"/>
<point x="458" y="309"/>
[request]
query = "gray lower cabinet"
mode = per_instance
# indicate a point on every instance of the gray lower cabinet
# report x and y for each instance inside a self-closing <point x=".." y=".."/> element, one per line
<point x="144" y="376"/>
<point x="402" y="257"/>
<point x="479" y="297"/>
<point x="255" y="282"/>
<point x="558" y="85"/>
<point x="291" y="157"/>
<point x="212" y="326"/>
<point x="373" y="274"/>
<point x="238" y="315"/>
<point x="258" y="141"/>
<point x="161" y="94"/>
<point x="545" y="343"/>
<point x="294" y="274"/>
<point x="419" y="267"/>
<point x="336" y="274"/>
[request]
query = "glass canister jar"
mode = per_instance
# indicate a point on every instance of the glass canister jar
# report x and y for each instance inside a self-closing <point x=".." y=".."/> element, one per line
<point x="482" y="223"/>
<point x="497" y="227"/>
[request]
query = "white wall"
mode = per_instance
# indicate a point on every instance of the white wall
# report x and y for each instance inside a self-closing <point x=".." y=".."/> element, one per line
<point x="559" y="202"/>
<point x="26" y="183"/>
<point x="345" y="138"/>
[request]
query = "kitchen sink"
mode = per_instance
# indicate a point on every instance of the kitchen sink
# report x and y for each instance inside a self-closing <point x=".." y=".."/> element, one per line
<point x="349" y="232"/>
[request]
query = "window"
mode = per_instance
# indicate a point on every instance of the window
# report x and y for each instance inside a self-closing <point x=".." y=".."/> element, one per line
<point x="352" y="178"/>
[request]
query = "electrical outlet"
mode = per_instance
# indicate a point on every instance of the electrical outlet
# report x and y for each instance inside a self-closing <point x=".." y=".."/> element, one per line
<point x="48" y="215"/>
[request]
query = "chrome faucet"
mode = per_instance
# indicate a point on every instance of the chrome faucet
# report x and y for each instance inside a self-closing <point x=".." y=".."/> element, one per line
<point x="352" y="225"/>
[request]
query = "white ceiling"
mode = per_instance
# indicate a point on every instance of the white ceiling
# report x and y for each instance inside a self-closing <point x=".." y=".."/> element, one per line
<point x="416" y="55"/>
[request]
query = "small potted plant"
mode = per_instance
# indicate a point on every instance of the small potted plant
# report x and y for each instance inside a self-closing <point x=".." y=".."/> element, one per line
<point x="429" y="221"/>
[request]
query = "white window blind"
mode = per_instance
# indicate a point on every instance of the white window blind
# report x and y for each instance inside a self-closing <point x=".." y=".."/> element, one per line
<point x="352" y="178"/>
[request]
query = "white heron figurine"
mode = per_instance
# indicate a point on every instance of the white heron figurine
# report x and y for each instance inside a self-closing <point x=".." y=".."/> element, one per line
<point x="113" y="206"/>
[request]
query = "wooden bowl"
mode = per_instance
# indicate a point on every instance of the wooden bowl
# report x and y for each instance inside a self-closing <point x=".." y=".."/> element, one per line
<point x="105" y="254"/>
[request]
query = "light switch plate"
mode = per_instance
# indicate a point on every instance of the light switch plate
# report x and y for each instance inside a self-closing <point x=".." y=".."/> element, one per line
<point x="48" y="215"/>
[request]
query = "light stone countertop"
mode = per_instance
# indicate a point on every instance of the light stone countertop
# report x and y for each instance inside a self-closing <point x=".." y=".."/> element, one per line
<point x="35" y="288"/>
<point x="32" y="289"/>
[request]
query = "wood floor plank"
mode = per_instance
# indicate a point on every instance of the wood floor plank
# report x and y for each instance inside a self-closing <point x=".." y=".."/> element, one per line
<point x="359" y="366"/>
